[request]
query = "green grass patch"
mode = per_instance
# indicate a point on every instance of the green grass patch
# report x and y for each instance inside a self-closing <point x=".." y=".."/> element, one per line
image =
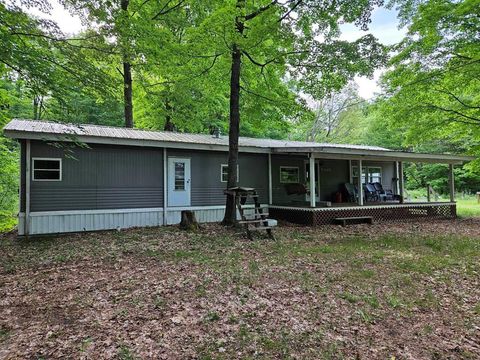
<point x="468" y="207"/>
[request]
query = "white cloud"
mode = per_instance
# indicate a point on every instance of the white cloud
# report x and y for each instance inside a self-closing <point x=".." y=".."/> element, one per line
<point x="68" y="23"/>
<point x="384" y="27"/>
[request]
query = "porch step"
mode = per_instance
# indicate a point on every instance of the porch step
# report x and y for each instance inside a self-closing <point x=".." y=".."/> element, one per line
<point x="353" y="219"/>
<point x="253" y="221"/>
<point x="254" y="216"/>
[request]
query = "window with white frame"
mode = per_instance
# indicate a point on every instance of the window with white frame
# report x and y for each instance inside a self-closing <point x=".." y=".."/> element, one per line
<point x="46" y="169"/>
<point x="289" y="174"/>
<point x="224" y="173"/>
<point x="374" y="174"/>
<point x="371" y="173"/>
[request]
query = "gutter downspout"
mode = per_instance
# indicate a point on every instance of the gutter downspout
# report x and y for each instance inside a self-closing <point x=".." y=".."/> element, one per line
<point x="27" y="188"/>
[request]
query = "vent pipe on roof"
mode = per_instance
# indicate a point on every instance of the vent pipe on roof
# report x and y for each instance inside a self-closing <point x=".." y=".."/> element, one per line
<point x="216" y="132"/>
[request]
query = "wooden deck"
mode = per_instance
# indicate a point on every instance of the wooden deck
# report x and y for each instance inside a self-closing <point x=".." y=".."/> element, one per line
<point x="378" y="212"/>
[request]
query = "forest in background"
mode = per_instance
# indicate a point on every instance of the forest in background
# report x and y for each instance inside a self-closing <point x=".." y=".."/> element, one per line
<point x="175" y="60"/>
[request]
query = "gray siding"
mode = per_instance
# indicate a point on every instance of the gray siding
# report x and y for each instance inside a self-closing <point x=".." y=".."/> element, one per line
<point x="333" y="174"/>
<point x="101" y="177"/>
<point x="206" y="186"/>
<point x="279" y="193"/>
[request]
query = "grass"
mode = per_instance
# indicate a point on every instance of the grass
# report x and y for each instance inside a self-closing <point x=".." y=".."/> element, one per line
<point x="468" y="207"/>
<point x="8" y="221"/>
<point x="360" y="291"/>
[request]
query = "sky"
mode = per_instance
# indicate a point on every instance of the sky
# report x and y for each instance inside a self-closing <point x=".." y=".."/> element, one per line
<point x="384" y="27"/>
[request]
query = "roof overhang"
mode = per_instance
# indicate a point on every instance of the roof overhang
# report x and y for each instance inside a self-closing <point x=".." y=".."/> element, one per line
<point x="320" y="152"/>
<point x="125" y="141"/>
<point x="375" y="155"/>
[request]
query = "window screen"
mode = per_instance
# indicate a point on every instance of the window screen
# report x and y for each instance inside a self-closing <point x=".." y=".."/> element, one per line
<point x="47" y="169"/>
<point x="289" y="174"/>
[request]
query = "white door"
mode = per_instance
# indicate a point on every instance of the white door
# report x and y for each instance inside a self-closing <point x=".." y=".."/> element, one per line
<point x="178" y="182"/>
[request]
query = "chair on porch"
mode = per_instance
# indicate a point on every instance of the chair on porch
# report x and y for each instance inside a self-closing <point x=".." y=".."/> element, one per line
<point x="384" y="194"/>
<point x="370" y="193"/>
<point x="350" y="192"/>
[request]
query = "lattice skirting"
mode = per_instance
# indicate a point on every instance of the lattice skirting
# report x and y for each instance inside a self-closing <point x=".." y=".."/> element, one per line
<point x="402" y="212"/>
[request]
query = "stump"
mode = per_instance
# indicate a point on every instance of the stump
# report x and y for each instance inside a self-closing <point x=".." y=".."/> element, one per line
<point x="189" y="221"/>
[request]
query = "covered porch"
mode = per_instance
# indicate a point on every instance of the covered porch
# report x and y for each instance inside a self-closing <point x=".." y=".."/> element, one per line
<point x="325" y="172"/>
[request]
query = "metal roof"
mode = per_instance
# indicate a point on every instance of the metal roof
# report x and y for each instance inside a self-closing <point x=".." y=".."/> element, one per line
<point x="34" y="129"/>
<point x="48" y="127"/>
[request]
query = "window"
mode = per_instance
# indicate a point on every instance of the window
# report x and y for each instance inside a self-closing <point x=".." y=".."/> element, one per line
<point x="47" y="169"/>
<point x="372" y="173"/>
<point x="224" y="173"/>
<point x="375" y="174"/>
<point x="179" y="175"/>
<point x="289" y="174"/>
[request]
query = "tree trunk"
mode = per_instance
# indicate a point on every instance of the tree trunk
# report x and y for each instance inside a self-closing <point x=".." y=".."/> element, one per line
<point x="233" y="134"/>
<point x="234" y="128"/>
<point x="169" y="126"/>
<point x="188" y="221"/>
<point x="35" y="108"/>
<point x="127" y="79"/>
<point x="127" y="94"/>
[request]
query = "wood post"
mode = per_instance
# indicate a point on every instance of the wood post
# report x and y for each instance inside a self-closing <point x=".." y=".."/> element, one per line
<point x="350" y="175"/>
<point x="401" y="184"/>
<point x="270" y="194"/>
<point x="359" y="183"/>
<point x="451" y="182"/>
<point x="312" y="180"/>
<point x="397" y="179"/>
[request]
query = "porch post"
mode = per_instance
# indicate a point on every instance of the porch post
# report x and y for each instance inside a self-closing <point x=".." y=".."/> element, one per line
<point x="270" y="196"/>
<point x="397" y="182"/>
<point x="312" y="179"/>
<point x="400" y="180"/>
<point x="350" y="177"/>
<point x="359" y="183"/>
<point x="451" y="183"/>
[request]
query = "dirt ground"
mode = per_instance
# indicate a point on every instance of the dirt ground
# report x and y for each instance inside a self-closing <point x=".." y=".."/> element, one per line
<point x="382" y="291"/>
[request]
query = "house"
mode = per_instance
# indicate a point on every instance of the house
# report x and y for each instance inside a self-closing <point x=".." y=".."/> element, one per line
<point x="126" y="177"/>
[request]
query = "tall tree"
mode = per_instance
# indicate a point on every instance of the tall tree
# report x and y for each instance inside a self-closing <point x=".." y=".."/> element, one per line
<point x="432" y="90"/>
<point x="329" y="113"/>
<point x="282" y="40"/>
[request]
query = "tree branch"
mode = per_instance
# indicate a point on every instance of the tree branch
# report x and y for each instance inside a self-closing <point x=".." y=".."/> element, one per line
<point x="432" y="106"/>
<point x="290" y="11"/>
<point x="260" y="10"/>
<point x="164" y="10"/>
<point x="457" y="98"/>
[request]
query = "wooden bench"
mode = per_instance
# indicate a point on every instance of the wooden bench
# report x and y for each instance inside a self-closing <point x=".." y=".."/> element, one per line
<point x="354" y="219"/>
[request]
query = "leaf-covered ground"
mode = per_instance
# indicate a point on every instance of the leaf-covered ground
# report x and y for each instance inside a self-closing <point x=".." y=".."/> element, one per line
<point x="408" y="291"/>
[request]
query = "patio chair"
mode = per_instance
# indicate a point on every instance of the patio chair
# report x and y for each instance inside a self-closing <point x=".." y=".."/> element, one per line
<point x="350" y="192"/>
<point x="370" y="192"/>
<point x="384" y="194"/>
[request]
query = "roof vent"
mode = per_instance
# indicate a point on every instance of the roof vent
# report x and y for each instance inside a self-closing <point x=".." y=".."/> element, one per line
<point x="216" y="132"/>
